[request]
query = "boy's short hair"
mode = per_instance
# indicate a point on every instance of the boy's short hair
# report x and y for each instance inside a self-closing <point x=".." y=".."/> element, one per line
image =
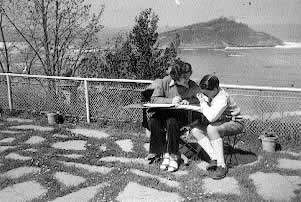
<point x="178" y="68"/>
<point x="209" y="82"/>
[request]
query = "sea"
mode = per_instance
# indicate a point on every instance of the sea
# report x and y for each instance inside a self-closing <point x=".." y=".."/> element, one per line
<point x="278" y="66"/>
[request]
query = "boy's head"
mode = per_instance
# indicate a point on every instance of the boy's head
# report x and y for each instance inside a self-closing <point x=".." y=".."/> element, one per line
<point x="209" y="85"/>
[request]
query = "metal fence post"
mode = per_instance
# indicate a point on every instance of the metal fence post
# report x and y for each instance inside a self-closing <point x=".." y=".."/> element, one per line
<point x="87" y="100"/>
<point x="9" y="96"/>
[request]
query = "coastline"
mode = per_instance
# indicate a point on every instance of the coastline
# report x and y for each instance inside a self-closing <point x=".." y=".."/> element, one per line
<point x="286" y="45"/>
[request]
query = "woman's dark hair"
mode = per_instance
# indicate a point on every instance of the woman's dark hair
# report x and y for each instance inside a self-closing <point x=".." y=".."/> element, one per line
<point x="209" y="82"/>
<point x="178" y="68"/>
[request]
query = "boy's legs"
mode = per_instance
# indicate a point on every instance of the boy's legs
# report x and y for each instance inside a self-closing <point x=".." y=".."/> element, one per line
<point x="215" y="133"/>
<point x="200" y="134"/>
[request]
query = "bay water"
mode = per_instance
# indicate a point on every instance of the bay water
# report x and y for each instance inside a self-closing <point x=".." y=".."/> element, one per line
<point x="278" y="66"/>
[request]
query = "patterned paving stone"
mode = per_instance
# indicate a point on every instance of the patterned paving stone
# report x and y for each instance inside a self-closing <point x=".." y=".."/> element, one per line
<point x="103" y="147"/>
<point x="181" y="172"/>
<point x="35" y="140"/>
<point x="32" y="127"/>
<point x="21" y="171"/>
<point x="4" y="148"/>
<point x="228" y="185"/>
<point x="25" y="191"/>
<point x="90" y="133"/>
<point x="100" y="169"/>
<point x="273" y="186"/>
<point x="10" y="131"/>
<point x="7" y="140"/>
<point x="137" y="192"/>
<point x="60" y="135"/>
<point x="71" y="145"/>
<point x="31" y="150"/>
<point x="291" y="153"/>
<point x="146" y="146"/>
<point x="19" y="120"/>
<point x="68" y="179"/>
<point x="83" y="195"/>
<point x="16" y="156"/>
<point x="124" y="160"/>
<point x="170" y="183"/>
<point x="72" y="156"/>
<point x="125" y="145"/>
<point x="289" y="164"/>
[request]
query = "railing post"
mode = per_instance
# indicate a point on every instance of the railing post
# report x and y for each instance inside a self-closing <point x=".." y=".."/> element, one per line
<point x="9" y="97"/>
<point x="87" y="100"/>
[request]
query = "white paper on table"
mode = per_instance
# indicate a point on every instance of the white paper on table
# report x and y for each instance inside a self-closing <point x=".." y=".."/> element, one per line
<point x="154" y="105"/>
<point x="189" y="107"/>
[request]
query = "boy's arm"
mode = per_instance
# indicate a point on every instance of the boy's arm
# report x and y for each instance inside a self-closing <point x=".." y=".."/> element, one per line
<point x="214" y="112"/>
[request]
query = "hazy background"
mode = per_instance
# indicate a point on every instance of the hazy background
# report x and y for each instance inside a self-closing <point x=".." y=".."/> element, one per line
<point x="121" y="13"/>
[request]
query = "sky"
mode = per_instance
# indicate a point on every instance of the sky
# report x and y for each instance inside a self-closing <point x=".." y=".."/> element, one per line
<point x="121" y="13"/>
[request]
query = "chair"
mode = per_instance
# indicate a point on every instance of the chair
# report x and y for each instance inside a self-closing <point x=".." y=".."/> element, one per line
<point x="230" y="145"/>
<point x="195" y="151"/>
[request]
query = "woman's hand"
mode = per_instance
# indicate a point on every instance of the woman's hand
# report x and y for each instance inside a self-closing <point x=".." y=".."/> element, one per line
<point x="184" y="102"/>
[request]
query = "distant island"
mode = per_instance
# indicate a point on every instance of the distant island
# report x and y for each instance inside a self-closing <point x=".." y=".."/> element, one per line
<point x="217" y="33"/>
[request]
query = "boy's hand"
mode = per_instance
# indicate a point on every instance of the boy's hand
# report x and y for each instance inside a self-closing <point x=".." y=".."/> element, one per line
<point x="201" y="97"/>
<point x="176" y="100"/>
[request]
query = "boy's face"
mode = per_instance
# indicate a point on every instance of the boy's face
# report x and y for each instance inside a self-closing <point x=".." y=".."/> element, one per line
<point x="210" y="93"/>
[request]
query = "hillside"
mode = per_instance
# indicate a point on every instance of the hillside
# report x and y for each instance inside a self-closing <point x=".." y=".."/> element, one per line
<point x="218" y="33"/>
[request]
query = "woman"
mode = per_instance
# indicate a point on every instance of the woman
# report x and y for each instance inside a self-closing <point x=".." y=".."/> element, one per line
<point x="224" y="119"/>
<point x="176" y="88"/>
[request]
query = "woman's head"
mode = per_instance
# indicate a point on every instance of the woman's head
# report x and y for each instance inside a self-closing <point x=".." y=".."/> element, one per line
<point x="179" y="70"/>
<point x="209" y="85"/>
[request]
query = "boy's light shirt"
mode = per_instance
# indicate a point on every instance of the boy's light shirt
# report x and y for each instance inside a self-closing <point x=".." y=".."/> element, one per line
<point x="217" y="106"/>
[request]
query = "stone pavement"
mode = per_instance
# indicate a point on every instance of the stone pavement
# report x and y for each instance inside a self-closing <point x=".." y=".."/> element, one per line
<point x="38" y="163"/>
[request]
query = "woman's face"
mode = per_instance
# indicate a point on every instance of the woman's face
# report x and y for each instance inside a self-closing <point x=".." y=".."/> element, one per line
<point x="185" y="77"/>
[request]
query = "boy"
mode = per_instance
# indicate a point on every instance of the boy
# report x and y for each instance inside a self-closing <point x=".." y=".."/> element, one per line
<point x="224" y="119"/>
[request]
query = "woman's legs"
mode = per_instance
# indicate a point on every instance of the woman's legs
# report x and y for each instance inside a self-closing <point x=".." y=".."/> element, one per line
<point x="157" y="138"/>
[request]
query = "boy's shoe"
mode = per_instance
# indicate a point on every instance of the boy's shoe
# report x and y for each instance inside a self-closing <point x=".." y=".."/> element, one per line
<point x="219" y="173"/>
<point x="212" y="165"/>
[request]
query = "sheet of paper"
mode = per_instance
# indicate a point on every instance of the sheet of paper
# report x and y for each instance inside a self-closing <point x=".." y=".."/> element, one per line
<point x="189" y="107"/>
<point x="152" y="105"/>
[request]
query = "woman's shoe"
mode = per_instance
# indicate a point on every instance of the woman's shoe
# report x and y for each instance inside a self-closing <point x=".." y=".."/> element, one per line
<point x="173" y="165"/>
<point x="152" y="157"/>
<point x="165" y="162"/>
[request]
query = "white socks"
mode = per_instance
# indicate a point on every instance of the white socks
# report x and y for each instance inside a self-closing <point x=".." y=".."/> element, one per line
<point x="206" y="145"/>
<point x="218" y="148"/>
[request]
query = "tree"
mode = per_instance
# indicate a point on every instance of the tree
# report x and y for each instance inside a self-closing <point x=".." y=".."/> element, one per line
<point x="135" y="56"/>
<point x="57" y="32"/>
<point x="4" y="51"/>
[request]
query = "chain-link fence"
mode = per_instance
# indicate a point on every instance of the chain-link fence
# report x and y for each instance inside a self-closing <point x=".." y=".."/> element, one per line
<point x="277" y="108"/>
